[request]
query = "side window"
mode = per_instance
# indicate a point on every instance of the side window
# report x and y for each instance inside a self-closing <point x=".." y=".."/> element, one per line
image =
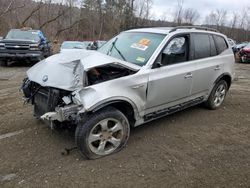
<point x="201" y="45"/>
<point x="220" y="43"/>
<point x="176" y="51"/>
<point x="213" y="51"/>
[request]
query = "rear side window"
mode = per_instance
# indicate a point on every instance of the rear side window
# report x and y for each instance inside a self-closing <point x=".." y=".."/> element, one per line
<point x="213" y="51"/>
<point x="220" y="43"/>
<point x="202" y="46"/>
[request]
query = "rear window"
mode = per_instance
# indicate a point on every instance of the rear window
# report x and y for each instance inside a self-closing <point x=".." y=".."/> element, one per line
<point x="220" y="43"/>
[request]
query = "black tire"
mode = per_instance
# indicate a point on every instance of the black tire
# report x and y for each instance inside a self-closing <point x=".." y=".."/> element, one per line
<point x="210" y="103"/>
<point x="84" y="130"/>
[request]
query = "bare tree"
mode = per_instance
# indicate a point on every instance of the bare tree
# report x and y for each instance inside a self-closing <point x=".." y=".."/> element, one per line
<point x="8" y="8"/>
<point x="11" y="7"/>
<point x="143" y="13"/>
<point x="178" y="14"/>
<point x="38" y="7"/>
<point x="217" y="18"/>
<point x="52" y="19"/>
<point x="190" y="16"/>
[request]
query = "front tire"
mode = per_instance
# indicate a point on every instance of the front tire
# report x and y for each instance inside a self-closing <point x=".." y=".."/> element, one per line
<point x="103" y="133"/>
<point x="217" y="95"/>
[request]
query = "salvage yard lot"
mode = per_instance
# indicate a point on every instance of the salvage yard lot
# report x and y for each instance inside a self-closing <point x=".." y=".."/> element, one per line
<point x="192" y="148"/>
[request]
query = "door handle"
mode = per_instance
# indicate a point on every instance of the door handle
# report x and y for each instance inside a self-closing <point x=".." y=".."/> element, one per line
<point x="188" y="75"/>
<point x="217" y="67"/>
<point x="137" y="86"/>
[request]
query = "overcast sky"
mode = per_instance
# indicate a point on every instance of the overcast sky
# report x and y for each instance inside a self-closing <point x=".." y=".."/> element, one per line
<point x="167" y="7"/>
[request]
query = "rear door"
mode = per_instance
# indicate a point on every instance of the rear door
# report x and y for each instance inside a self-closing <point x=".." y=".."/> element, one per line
<point x="209" y="65"/>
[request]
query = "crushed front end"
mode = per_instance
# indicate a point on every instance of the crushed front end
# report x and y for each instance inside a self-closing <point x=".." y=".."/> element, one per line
<point x="52" y="104"/>
<point x="61" y="87"/>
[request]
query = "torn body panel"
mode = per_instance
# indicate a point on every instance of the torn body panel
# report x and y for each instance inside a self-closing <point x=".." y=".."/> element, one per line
<point x="124" y="89"/>
<point x="70" y="69"/>
<point x="78" y="86"/>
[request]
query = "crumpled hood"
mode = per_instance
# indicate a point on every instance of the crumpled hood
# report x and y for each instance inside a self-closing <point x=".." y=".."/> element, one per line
<point x="66" y="70"/>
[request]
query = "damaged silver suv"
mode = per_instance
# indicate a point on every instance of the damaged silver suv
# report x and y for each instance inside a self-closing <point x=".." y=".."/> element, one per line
<point x="137" y="76"/>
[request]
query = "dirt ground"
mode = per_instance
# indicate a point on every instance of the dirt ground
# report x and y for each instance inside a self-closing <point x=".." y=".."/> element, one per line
<point x="192" y="148"/>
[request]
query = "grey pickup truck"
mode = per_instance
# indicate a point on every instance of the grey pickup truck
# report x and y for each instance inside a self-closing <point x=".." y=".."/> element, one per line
<point x="23" y="44"/>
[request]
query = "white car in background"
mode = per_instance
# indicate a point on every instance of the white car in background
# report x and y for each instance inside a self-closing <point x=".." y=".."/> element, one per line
<point x="72" y="45"/>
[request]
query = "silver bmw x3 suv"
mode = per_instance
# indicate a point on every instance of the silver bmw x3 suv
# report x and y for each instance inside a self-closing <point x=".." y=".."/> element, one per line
<point x="137" y="76"/>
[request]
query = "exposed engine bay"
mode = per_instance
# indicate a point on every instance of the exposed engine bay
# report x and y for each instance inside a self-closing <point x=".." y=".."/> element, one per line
<point x="105" y="73"/>
<point x="56" y="104"/>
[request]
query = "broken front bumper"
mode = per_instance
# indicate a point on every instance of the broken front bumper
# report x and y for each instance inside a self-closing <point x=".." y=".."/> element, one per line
<point x="66" y="113"/>
<point x="50" y="103"/>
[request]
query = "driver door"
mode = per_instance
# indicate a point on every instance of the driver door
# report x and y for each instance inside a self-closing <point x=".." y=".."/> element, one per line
<point x="170" y="80"/>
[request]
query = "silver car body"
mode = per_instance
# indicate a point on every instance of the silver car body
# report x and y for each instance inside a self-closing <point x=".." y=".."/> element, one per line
<point x="149" y="90"/>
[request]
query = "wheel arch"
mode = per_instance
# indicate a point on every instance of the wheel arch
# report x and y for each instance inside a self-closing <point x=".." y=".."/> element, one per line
<point x="227" y="77"/>
<point x="128" y="108"/>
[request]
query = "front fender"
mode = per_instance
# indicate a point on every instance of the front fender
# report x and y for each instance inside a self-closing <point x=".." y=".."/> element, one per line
<point x="122" y="89"/>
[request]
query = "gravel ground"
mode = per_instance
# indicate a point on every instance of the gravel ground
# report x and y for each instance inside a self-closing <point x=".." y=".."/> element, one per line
<point x="192" y="148"/>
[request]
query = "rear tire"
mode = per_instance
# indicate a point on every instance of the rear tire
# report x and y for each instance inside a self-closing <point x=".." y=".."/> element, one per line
<point x="103" y="133"/>
<point x="217" y="96"/>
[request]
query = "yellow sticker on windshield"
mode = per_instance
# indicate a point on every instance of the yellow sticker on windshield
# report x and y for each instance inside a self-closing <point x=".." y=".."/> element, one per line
<point x="141" y="59"/>
<point x="144" y="41"/>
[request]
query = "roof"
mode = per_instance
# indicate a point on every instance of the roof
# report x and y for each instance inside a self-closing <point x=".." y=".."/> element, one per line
<point x="159" y="30"/>
<point x="167" y="30"/>
<point x="30" y="30"/>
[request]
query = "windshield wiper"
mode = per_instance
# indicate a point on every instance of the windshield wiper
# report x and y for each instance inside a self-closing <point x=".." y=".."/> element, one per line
<point x="114" y="46"/>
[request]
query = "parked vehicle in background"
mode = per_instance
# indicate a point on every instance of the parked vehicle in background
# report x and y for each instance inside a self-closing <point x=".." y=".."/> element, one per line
<point x="136" y="77"/>
<point x="232" y="43"/>
<point x="244" y="54"/>
<point x="239" y="46"/>
<point x="24" y="44"/>
<point x="96" y="44"/>
<point x="69" y="45"/>
<point x="100" y="43"/>
<point x="87" y="43"/>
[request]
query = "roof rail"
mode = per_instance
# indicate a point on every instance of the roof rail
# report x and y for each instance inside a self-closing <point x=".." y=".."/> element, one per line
<point x="193" y="27"/>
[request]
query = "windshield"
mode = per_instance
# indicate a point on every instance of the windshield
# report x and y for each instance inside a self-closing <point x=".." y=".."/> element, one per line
<point x="72" y="45"/>
<point x="23" y="35"/>
<point x="134" y="47"/>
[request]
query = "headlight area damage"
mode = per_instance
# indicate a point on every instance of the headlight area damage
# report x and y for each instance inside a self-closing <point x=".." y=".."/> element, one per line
<point x="53" y="86"/>
<point x="50" y="103"/>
